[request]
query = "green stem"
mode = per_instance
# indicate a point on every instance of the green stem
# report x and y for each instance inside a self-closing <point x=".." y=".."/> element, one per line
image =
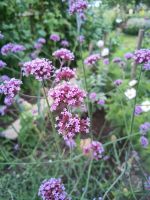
<point x="114" y="183"/>
<point x="133" y="116"/>
<point x="86" y="85"/>
<point x="120" y="139"/>
<point x="51" y="118"/>
<point x="87" y="180"/>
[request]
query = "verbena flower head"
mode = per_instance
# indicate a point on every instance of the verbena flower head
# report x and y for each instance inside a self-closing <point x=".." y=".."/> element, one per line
<point x="142" y="56"/>
<point x="106" y="61"/>
<point x="81" y="38"/>
<point x="66" y="94"/>
<point x="146" y="66"/>
<point x="118" y="82"/>
<point x="95" y="150"/>
<point x="138" y="110"/>
<point x="4" y="78"/>
<point x="144" y="141"/>
<point x="3" y="110"/>
<point x="101" y="102"/>
<point x="64" y="43"/>
<point x="17" y="48"/>
<point x="2" y="64"/>
<point x="11" y="48"/>
<point x="92" y="96"/>
<point x="145" y="128"/>
<point x="92" y="59"/>
<point x="128" y="55"/>
<point x="55" y="37"/>
<point x="53" y="189"/>
<point x="82" y="16"/>
<point x="41" y="40"/>
<point x="38" y="45"/>
<point x="1" y="36"/>
<point x="117" y="60"/>
<point x="64" y="74"/>
<point x="40" y="68"/>
<point x="70" y="125"/>
<point x="34" y="54"/>
<point x="64" y="54"/>
<point x="77" y="6"/>
<point x="6" y="49"/>
<point x="122" y="64"/>
<point x="10" y="88"/>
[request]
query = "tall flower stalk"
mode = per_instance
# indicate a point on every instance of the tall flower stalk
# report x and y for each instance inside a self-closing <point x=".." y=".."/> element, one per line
<point x="78" y="21"/>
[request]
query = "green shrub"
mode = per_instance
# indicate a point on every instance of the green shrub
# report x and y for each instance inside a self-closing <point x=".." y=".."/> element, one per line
<point x="134" y="24"/>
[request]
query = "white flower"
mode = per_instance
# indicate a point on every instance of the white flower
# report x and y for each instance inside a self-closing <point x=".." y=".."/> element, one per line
<point x="100" y="43"/>
<point x="130" y="93"/>
<point x="145" y="106"/>
<point x="118" y="20"/>
<point x="130" y="11"/>
<point x="105" y="52"/>
<point x="132" y="83"/>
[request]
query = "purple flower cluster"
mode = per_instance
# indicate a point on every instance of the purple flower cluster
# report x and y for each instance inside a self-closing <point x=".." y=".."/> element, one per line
<point x="82" y="16"/>
<point x="117" y="60"/>
<point x="128" y="55"/>
<point x="34" y="54"/>
<point x="144" y="141"/>
<point x="95" y="150"/>
<point x="64" y="54"/>
<point x="64" y="43"/>
<point x="142" y="56"/>
<point x="122" y="64"/>
<point x="101" y="102"/>
<point x="53" y="189"/>
<point x="10" y="88"/>
<point x="138" y="110"/>
<point x="3" y="110"/>
<point x="118" y="82"/>
<point x="64" y="74"/>
<point x="11" y="48"/>
<point x="17" y="48"/>
<point x="1" y="36"/>
<point x="66" y="95"/>
<point x="70" y="125"/>
<point x="146" y="66"/>
<point x="39" y="44"/>
<point x="92" y="96"/>
<point x="41" y="40"/>
<point x="6" y="49"/>
<point x="77" y="6"/>
<point x="2" y="64"/>
<point x="4" y="78"/>
<point x="144" y="129"/>
<point x="41" y="68"/>
<point x="106" y="61"/>
<point x="92" y="59"/>
<point x="54" y="37"/>
<point x="81" y="39"/>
